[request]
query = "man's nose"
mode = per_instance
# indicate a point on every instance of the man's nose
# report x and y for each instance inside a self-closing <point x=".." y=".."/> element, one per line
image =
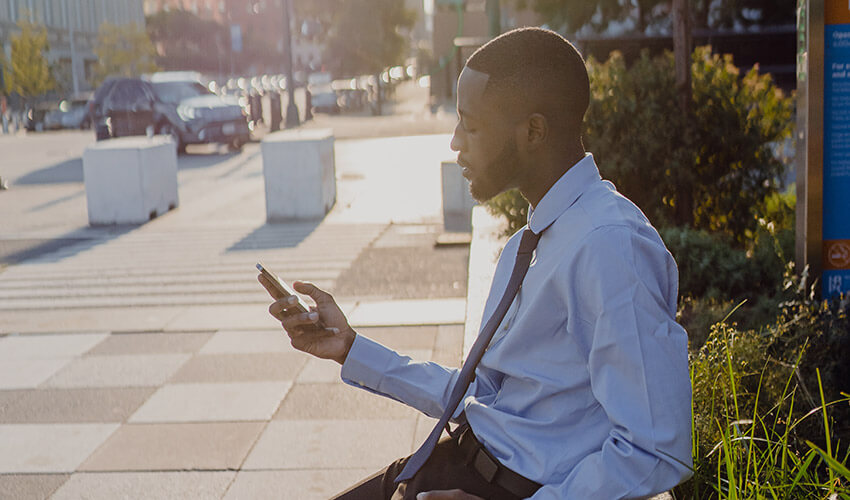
<point x="457" y="141"/>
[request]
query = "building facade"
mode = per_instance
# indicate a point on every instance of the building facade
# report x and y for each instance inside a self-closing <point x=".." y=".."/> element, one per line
<point x="72" y="27"/>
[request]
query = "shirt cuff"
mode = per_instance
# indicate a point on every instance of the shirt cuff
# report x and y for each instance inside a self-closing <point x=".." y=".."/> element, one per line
<point x="366" y="363"/>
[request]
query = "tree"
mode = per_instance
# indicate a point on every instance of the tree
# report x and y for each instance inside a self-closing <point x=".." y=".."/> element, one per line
<point x="186" y="41"/>
<point x="361" y="36"/>
<point x="597" y="15"/>
<point x="28" y="71"/>
<point x="123" y="51"/>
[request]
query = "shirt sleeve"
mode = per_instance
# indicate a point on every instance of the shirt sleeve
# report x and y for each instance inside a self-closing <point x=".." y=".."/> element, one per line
<point x="380" y="370"/>
<point x="627" y="285"/>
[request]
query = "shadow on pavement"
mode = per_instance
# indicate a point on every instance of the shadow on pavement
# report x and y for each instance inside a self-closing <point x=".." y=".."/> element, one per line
<point x="15" y="251"/>
<point x="276" y="235"/>
<point x="69" y="171"/>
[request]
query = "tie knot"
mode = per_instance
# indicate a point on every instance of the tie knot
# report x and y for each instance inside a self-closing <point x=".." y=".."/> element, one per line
<point x="528" y="242"/>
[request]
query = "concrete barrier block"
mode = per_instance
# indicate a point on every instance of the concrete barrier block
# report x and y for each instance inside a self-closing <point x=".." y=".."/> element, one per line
<point x="130" y="180"/>
<point x="299" y="174"/>
<point x="457" y="202"/>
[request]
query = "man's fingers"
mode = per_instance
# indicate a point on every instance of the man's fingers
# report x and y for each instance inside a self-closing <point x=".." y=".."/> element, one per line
<point x="317" y="294"/>
<point x="269" y="287"/>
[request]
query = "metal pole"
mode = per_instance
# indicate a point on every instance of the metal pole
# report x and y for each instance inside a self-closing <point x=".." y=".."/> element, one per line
<point x="810" y="76"/>
<point x="292" y="119"/>
<point x="494" y="17"/>
<point x="74" y="78"/>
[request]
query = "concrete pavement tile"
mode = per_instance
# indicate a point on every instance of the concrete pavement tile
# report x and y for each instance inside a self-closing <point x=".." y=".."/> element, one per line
<point x="29" y="373"/>
<point x="162" y="447"/>
<point x="323" y="371"/>
<point x="118" y="371"/>
<point x="424" y="424"/>
<point x="449" y="345"/>
<point x="151" y="343"/>
<point x="331" y="444"/>
<point x="338" y="401"/>
<point x="49" y="447"/>
<point x="235" y="342"/>
<point x="319" y="371"/>
<point x="308" y="484"/>
<point x="402" y="338"/>
<point x="159" y="485"/>
<point x="213" y="402"/>
<point x="72" y="405"/>
<point x="224" y="317"/>
<point x="409" y="312"/>
<point x="241" y="367"/>
<point x="111" y="319"/>
<point x="21" y="486"/>
<point x="18" y="347"/>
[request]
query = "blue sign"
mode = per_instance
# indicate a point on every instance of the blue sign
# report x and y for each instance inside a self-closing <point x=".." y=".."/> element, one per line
<point x="836" y="160"/>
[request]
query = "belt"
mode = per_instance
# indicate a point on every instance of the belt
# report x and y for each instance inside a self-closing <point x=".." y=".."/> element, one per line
<point x="489" y="468"/>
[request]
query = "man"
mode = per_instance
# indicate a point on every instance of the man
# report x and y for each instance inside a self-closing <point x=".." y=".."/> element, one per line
<point x="583" y="391"/>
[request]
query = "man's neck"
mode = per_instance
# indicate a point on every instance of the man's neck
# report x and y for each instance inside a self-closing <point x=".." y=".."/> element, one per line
<point x="547" y="174"/>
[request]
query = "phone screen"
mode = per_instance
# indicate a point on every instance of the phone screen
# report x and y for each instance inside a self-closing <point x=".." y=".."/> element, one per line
<point x="283" y="288"/>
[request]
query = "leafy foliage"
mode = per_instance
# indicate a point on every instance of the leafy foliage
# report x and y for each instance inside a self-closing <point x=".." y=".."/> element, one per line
<point x="28" y="72"/>
<point x="364" y="36"/>
<point x="187" y="42"/>
<point x="708" y="170"/>
<point x="123" y="51"/>
<point x="597" y="15"/>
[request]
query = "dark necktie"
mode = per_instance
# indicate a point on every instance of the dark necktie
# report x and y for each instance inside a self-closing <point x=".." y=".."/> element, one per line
<point x="467" y="372"/>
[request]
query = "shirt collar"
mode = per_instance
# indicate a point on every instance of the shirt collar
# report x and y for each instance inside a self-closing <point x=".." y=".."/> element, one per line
<point x="563" y="193"/>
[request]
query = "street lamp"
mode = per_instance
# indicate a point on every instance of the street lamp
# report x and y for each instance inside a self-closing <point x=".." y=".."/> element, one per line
<point x="292" y="119"/>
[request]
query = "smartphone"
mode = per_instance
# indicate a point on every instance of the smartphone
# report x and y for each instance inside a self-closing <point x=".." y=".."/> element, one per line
<point x="283" y="288"/>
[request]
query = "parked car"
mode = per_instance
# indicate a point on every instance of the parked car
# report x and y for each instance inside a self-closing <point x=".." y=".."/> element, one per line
<point x="191" y="114"/>
<point x="323" y="98"/>
<point x="126" y="108"/>
<point x="97" y="115"/>
<point x="36" y="116"/>
<point x="171" y="103"/>
<point x="75" y="112"/>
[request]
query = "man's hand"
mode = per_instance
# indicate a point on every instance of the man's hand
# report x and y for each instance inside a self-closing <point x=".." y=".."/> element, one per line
<point x="446" y="495"/>
<point x="333" y="341"/>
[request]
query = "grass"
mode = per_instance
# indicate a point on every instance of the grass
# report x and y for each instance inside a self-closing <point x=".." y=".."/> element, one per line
<point x="752" y="439"/>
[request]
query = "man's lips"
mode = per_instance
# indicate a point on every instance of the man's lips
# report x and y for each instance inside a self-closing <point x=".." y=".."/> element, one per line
<point x="466" y="172"/>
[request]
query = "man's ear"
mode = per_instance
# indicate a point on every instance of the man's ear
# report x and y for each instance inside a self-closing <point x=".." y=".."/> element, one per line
<point x="537" y="130"/>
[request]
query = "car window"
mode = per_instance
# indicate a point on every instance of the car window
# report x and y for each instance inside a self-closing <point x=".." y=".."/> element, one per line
<point x="174" y="92"/>
<point x="128" y="95"/>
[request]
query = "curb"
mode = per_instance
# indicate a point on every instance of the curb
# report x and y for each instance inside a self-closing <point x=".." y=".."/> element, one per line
<point x="484" y="251"/>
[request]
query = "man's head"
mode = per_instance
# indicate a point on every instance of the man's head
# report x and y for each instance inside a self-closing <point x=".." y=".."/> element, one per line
<point x="521" y="97"/>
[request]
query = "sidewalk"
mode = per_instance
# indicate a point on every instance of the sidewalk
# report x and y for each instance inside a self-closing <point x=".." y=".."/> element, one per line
<point x="140" y="362"/>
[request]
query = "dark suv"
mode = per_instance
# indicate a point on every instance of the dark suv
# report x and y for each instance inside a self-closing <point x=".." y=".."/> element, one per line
<point x="169" y="103"/>
<point x="192" y="114"/>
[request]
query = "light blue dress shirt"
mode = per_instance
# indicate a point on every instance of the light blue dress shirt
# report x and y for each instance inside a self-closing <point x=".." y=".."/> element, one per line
<point x="585" y="388"/>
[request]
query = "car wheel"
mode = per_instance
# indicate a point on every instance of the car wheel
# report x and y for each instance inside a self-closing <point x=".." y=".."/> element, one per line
<point x="167" y="129"/>
<point x="235" y="144"/>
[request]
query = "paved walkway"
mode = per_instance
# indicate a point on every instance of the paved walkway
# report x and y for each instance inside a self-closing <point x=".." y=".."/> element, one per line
<point x="140" y="362"/>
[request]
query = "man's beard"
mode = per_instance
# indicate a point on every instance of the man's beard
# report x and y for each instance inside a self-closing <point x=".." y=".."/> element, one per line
<point x="496" y="176"/>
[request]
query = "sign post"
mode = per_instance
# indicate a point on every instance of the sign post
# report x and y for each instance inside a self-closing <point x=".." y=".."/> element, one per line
<point x="823" y="143"/>
<point x="836" y="154"/>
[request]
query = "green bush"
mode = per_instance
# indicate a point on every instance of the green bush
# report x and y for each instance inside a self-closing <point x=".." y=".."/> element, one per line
<point x="708" y="169"/>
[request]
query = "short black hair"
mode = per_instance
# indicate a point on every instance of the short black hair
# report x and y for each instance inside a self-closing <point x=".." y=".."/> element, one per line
<point x="541" y="66"/>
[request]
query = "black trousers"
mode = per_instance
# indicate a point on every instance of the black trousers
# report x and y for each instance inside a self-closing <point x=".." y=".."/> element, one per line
<point x="445" y="470"/>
